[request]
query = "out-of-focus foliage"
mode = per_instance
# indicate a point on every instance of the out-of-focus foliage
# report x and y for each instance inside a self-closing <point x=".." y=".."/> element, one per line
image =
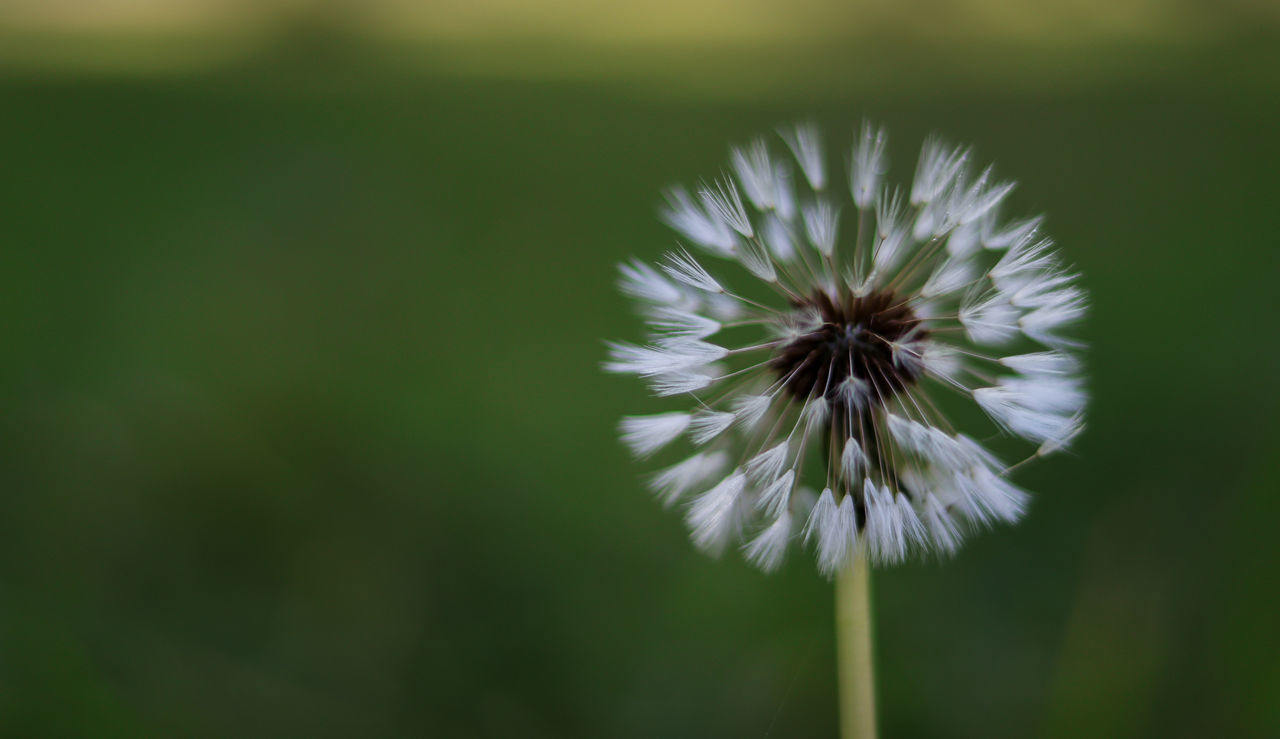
<point x="302" y="431"/>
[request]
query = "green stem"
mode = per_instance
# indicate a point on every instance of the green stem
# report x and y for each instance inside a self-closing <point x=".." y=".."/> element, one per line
<point x="853" y="651"/>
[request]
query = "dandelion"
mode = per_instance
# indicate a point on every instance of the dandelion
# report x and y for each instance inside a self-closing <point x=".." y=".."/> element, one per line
<point x="819" y="371"/>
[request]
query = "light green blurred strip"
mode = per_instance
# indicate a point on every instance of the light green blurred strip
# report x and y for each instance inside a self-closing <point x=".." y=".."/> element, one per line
<point x="718" y="48"/>
<point x="659" y="21"/>
<point x="126" y="53"/>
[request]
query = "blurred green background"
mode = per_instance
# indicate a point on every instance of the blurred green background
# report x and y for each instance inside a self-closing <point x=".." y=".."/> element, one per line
<point x="302" y="431"/>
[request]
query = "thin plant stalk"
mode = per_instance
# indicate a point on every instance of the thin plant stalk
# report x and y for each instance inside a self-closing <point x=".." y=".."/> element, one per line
<point x="853" y="650"/>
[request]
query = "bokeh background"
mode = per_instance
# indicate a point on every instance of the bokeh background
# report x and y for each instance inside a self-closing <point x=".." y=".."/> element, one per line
<point x="302" y="431"/>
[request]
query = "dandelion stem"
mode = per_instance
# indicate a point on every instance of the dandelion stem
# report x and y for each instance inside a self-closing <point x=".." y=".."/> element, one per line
<point x="853" y="651"/>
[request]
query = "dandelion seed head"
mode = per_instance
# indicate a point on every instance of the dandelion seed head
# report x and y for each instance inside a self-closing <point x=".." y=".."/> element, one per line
<point x="829" y="371"/>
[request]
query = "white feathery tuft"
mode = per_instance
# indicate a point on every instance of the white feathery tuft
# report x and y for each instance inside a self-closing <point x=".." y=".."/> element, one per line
<point x="951" y="276"/>
<point x="989" y="497"/>
<point x="777" y="237"/>
<point x="936" y="171"/>
<point x="892" y="232"/>
<point x="703" y="228"/>
<point x="768" y="465"/>
<point x="1042" y="363"/>
<point x="643" y="282"/>
<point x="686" y="269"/>
<point x="769" y="548"/>
<point x="1074" y="428"/>
<point x="884" y="534"/>
<point x="942" y="528"/>
<point x="993" y="321"/>
<point x="645" y="435"/>
<point x="1047" y="392"/>
<point x="678" y="383"/>
<point x="907" y="433"/>
<point x="721" y="306"/>
<point x="755" y="171"/>
<point x="670" y="355"/>
<point x="715" y="516"/>
<point x="681" y="323"/>
<point x="1036" y="409"/>
<point x="965" y="240"/>
<point x="867" y="165"/>
<point x="1022" y="263"/>
<point x="854" y="391"/>
<point x="707" y="425"/>
<point x="1013" y="234"/>
<point x="806" y="144"/>
<point x="913" y="530"/>
<point x="980" y="198"/>
<point x="794" y="326"/>
<point x="836" y="529"/>
<point x="852" y="459"/>
<point x="934" y="444"/>
<point x="1044" y="323"/>
<point x="821" y="224"/>
<point x="823" y="510"/>
<point x="723" y="200"/>
<point x="751" y="409"/>
<point x="675" y="481"/>
<point x="629" y="358"/>
<point x="815" y="414"/>
<point x="784" y="192"/>
<point x="691" y="351"/>
<point x="1045" y="288"/>
<point x="941" y="361"/>
<point x="777" y="494"/>
<point x="757" y="262"/>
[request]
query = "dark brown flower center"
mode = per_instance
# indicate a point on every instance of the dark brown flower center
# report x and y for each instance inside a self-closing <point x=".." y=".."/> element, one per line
<point x="868" y="338"/>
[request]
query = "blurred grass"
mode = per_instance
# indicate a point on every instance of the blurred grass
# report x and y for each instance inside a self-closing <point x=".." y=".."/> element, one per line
<point x="304" y="433"/>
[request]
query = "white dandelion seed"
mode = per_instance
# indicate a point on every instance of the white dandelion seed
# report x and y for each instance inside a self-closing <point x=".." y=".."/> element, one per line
<point x="1042" y="363"/>
<point x="951" y="276"/>
<point x="695" y="223"/>
<point x="992" y="321"/>
<point x="716" y="516"/>
<point x="644" y="283"/>
<point x="995" y="235"/>
<point x="722" y="199"/>
<point x="834" y="527"/>
<point x="707" y="425"/>
<point x="755" y="171"/>
<point x="942" y="361"/>
<point x="943" y="529"/>
<point x="678" y="383"/>
<point x="852" y="460"/>
<point x="775" y="495"/>
<point x="839" y="377"/>
<point x="806" y="143"/>
<point x="892" y="232"/>
<point x="675" y="481"/>
<point x="778" y="239"/>
<point x="647" y="434"/>
<point x="682" y="267"/>
<point x="674" y="322"/>
<point x="821" y="224"/>
<point x="965" y="239"/>
<point x="767" y="550"/>
<point x="768" y="464"/>
<point x="867" y="164"/>
<point x="751" y="409"/>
